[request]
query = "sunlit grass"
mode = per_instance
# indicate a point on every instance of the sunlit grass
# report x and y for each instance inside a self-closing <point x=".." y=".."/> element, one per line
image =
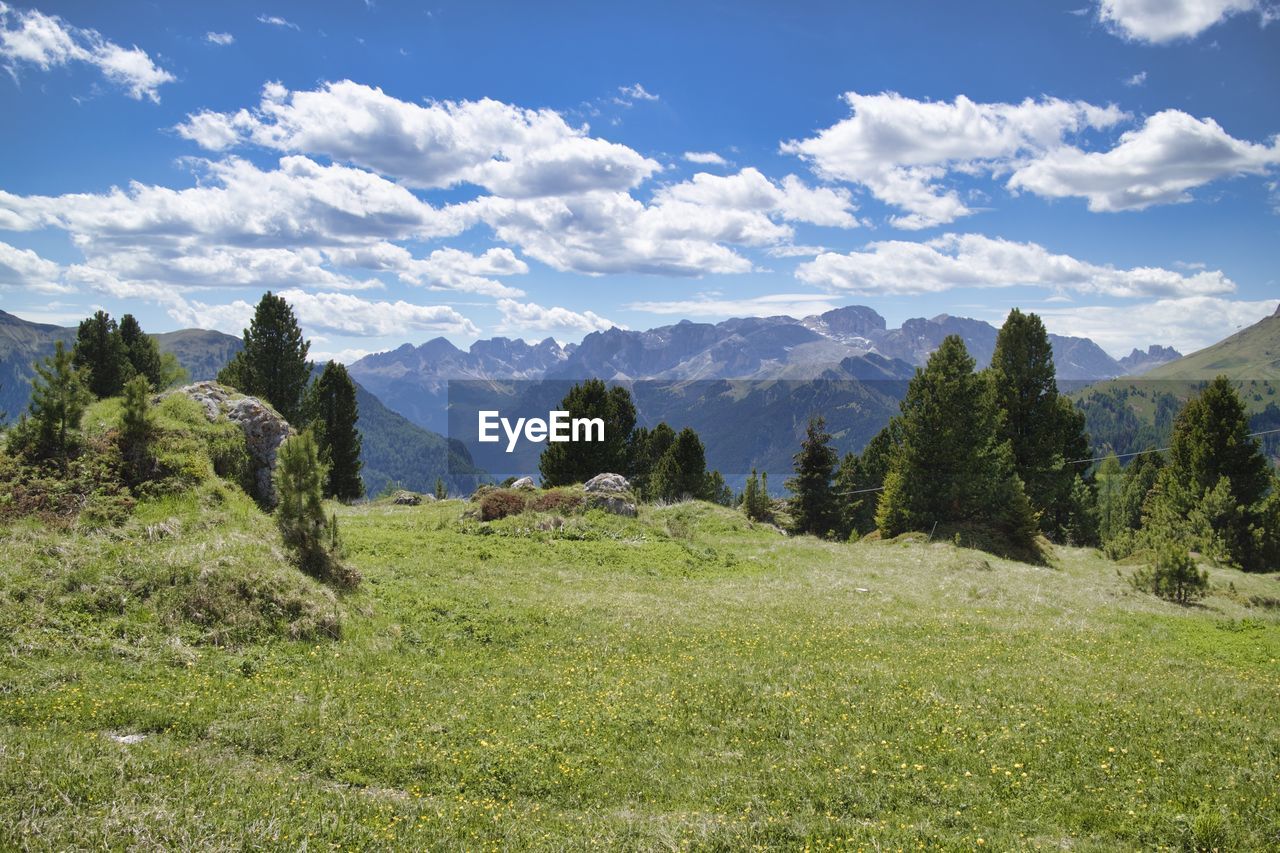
<point x="683" y="679"/>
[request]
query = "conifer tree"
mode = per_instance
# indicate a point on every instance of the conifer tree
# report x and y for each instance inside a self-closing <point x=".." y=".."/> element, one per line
<point x="950" y="468"/>
<point x="59" y="397"/>
<point x="681" y="472"/>
<point x="1110" y="493"/>
<point x="1044" y="430"/>
<point x="566" y="462"/>
<point x="100" y="352"/>
<point x="1210" y="496"/>
<point x="442" y="491"/>
<point x="273" y="363"/>
<point x="646" y="447"/>
<point x="755" y="500"/>
<point x="137" y="429"/>
<point x="813" y="507"/>
<point x="313" y="537"/>
<point x="142" y="352"/>
<point x="332" y="404"/>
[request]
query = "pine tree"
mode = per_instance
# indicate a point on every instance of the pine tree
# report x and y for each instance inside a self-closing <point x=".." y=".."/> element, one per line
<point x="332" y="404"/>
<point x="567" y="462"/>
<point x="142" y="352"/>
<point x="299" y="479"/>
<point x="442" y="491"/>
<point x="273" y="364"/>
<point x="873" y="466"/>
<point x="100" y="352"/>
<point x="681" y="472"/>
<point x="951" y="469"/>
<point x="59" y="397"/>
<point x="717" y="490"/>
<point x="813" y="507"/>
<point x="1044" y="430"/>
<point x="755" y="502"/>
<point x="137" y="430"/>
<point x="849" y="495"/>
<point x="1110" y="492"/>
<point x="1210" y="496"/>
<point x="646" y="447"/>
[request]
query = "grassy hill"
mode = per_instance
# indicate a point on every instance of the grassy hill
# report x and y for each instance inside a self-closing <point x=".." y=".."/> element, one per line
<point x="1130" y="414"/>
<point x="679" y="680"/>
<point x="395" y="450"/>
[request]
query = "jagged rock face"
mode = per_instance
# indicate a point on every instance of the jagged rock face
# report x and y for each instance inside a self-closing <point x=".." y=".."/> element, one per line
<point x="1138" y="362"/>
<point x="607" y="483"/>
<point x="263" y="427"/>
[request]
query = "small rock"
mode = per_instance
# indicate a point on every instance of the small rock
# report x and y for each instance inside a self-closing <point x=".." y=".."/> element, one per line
<point x="404" y="498"/>
<point x="129" y="740"/>
<point x="607" y="483"/>
<point x="525" y="483"/>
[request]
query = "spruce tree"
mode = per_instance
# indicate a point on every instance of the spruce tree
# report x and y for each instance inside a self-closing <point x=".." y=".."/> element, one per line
<point x="332" y="404"/>
<point x="849" y="495"/>
<point x="142" y="352"/>
<point x="646" y="447"/>
<point x="566" y="462"/>
<point x="442" y="491"/>
<point x="681" y="472"/>
<point x="1044" y="430"/>
<point x="813" y="507"/>
<point x="951" y="469"/>
<point x="273" y="364"/>
<point x="100" y="352"/>
<point x="59" y="396"/>
<point x="1110" y="492"/>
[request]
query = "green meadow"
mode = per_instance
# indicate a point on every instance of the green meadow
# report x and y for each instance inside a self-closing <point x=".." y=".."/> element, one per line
<point x="681" y="680"/>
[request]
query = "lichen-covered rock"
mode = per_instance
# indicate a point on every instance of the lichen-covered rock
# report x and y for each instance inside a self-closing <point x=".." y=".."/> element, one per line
<point x="263" y="427"/>
<point x="525" y="483"/>
<point x="607" y="483"/>
<point x="618" y="504"/>
<point x="407" y="498"/>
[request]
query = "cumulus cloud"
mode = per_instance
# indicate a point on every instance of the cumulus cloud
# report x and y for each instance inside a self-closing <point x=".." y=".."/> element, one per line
<point x="1164" y="21"/>
<point x="515" y="152"/>
<point x="47" y="41"/>
<point x="749" y="190"/>
<point x="1187" y="323"/>
<point x="774" y="304"/>
<point x="1138" y="79"/>
<point x="1156" y="164"/>
<point x="895" y="267"/>
<point x="340" y="313"/>
<point x="901" y="149"/>
<point x="220" y="39"/>
<point x="531" y="317"/>
<point x="25" y="269"/>
<point x="705" y="158"/>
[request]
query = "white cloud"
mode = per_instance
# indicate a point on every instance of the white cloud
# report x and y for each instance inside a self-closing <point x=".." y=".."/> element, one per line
<point x="340" y="313"/>
<point x="1187" y="324"/>
<point x="749" y="190"/>
<point x="515" y="152"/>
<point x="1163" y="21"/>
<point x="634" y="92"/>
<point x="443" y="269"/>
<point x="1138" y="79"/>
<point x="787" y="304"/>
<point x="342" y="356"/>
<point x="1156" y="164"/>
<point x="972" y="260"/>
<point x="529" y="316"/>
<point x="901" y="149"/>
<point x="46" y="41"/>
<point x="277" y="21"/>
<point x="705" y="158"/>
<point x="220" y="39"/>
<point x="25" y="269"/>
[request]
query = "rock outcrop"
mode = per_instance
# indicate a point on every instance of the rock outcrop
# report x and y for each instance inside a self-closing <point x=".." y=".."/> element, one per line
<point x="607" y="483"/>
<point x="525" y="484"/>
<point x="263" y="427"/>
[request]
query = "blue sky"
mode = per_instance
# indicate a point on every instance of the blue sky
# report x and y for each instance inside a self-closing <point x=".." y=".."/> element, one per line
<point x="403" y="171"/>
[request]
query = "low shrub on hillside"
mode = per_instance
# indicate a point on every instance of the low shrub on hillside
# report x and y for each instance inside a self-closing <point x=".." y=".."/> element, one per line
<point x="1173" y="576"/>
<point x="500" y="503"/>
<point x="558" y="501"/>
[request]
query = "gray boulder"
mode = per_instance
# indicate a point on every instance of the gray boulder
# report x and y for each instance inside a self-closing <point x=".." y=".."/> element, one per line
<point x="404" y="498"/>
<point x="525" y="483"/>
<point x="615" y="503"/>
<point x="263" y="427"/>
<point x="606" y="483"/>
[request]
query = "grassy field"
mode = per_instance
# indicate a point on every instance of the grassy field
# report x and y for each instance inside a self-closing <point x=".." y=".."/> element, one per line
<point x="680" y="680"/>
